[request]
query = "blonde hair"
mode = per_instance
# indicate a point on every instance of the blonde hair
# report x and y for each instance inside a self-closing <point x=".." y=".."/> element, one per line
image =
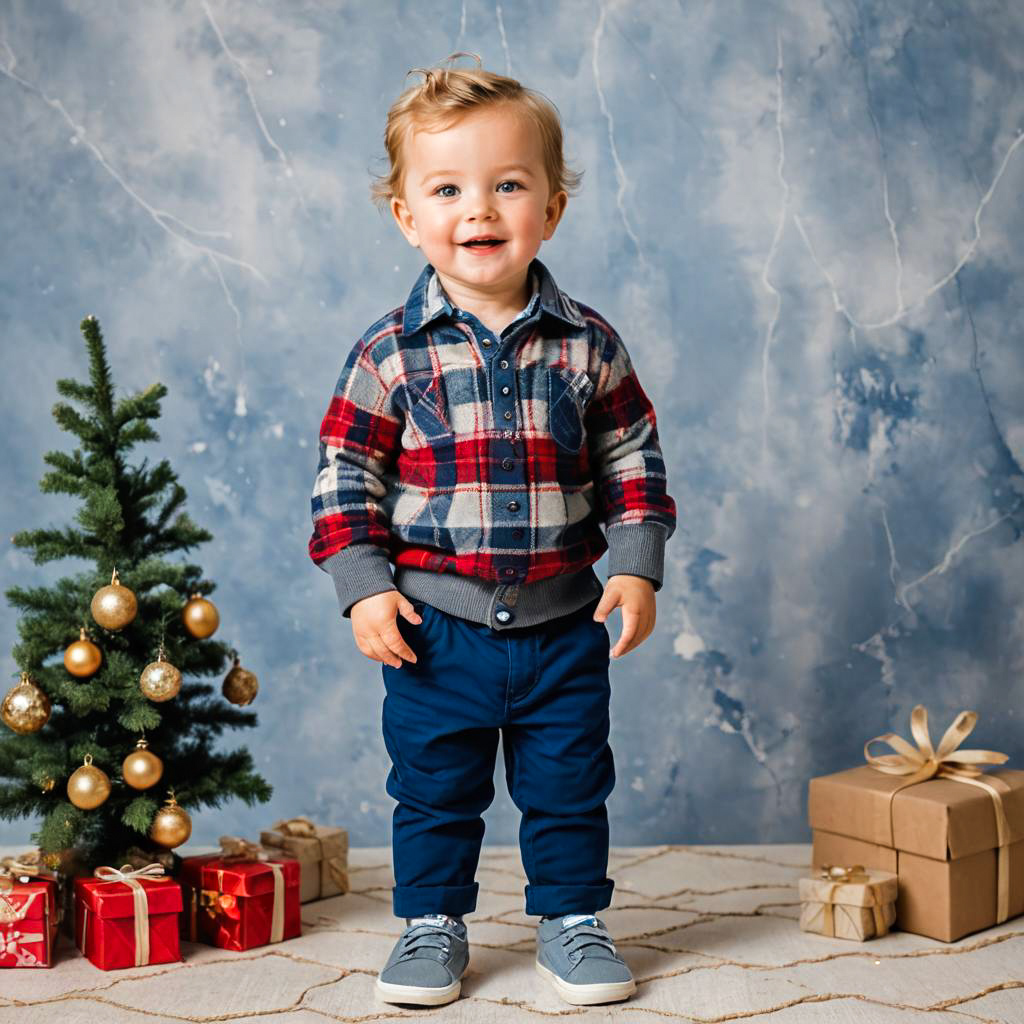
<point x="445" y="95"/>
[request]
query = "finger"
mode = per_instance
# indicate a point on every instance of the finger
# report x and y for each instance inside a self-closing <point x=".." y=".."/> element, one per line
<point x="396" y="643"/>
<point x="409" y="612"/>
<point x="382" y="653"/>
<point x="609" y="601"/>
<point x="630" y="623"/>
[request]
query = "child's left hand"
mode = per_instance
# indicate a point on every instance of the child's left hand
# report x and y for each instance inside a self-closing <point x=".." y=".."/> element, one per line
<point x="635" y="594"/>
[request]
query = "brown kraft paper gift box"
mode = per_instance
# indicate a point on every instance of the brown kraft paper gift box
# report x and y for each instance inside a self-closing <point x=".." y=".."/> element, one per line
<point x="958" y="848"/>
<point x="322" y="853"/>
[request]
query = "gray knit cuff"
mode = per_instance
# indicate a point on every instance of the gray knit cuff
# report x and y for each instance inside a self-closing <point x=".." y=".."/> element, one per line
<point x="358" y="571"/>
<point x="637" y="549"/>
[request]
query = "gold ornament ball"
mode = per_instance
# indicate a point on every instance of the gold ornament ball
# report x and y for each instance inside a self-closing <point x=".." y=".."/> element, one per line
<point x="172" y="826"/>
<point x="160" y="680"/>
<point x="201" y="617"/>
<point x="83" y="657"/>
<point x="142" y="768"/>
<point x="25" y="708"/>
<point x="88" y="786"/>
<point x="114" y="606"/>
<point x="240" y="685"/>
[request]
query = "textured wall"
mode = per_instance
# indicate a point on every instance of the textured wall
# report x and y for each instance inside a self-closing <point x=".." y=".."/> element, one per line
<point x="804" y="219"/>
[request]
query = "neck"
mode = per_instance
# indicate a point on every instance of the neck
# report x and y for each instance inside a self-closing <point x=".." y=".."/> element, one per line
<point x="490" y="304"/>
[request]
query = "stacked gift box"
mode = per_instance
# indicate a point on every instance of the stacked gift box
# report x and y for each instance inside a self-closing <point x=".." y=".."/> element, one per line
<point x="29" y="912"/>
<point x="951" y="833"/>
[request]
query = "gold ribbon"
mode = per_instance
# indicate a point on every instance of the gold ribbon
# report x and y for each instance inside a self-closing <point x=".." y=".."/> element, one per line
<point x="947" y="762"/>
<point x="24" y="865"/>
<point x="113" y="876"/>
<point x="303" y="828"/>
<point x="855" y="875"/>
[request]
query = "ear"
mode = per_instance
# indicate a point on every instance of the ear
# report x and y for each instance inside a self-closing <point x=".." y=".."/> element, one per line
<point x="406" y="224"/>
<point x="553" y="212"/>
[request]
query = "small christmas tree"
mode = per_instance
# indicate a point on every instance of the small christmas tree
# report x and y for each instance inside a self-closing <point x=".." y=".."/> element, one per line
<point x="130" y="520"/>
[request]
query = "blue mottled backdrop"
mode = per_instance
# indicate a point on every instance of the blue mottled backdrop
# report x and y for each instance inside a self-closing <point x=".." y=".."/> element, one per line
<point x="803" y="217"/>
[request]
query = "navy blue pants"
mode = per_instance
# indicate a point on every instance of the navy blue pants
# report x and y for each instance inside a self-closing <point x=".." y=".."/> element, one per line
<point x="546" y="689"/>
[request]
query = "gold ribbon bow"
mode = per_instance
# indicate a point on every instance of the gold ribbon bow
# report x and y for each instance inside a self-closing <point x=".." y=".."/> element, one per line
<point x="235" y="848"/>
<point x="948" y="762"/>
<point x="24" y="865"/>
<point x="303" y="828"/>
<point x="855" y="875"/>
<point x="130" y="877"/>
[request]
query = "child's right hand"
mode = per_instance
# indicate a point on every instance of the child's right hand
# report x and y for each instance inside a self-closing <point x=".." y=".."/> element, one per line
<point x="375" y="627"/>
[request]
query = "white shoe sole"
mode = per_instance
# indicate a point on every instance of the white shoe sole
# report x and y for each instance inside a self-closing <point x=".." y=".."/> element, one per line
<point x="418" y="996"/>
<point x="588" y="995"/>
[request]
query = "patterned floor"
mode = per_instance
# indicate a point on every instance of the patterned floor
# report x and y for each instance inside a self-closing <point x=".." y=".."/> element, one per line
<point x="709" y="932"/>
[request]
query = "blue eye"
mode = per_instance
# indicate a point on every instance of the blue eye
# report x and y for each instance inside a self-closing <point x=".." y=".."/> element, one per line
<point x="516" y="183"/>
<point x="439" y="190"/>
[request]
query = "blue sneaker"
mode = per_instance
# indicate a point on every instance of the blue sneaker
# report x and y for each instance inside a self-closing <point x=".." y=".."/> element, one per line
<point x="426" y="966"/>
<point x="576" y="954"/>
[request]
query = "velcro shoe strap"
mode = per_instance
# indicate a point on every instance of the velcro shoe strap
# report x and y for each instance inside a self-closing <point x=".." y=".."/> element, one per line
<point x="583" y="935"/>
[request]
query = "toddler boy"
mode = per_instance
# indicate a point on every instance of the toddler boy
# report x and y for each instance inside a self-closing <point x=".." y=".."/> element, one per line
<point x="477" y="437"/>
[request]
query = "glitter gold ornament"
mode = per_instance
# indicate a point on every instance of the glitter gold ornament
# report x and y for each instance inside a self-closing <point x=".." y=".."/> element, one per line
<point x="25" y="708"/>
<point x="200" y="616"/>
<point x="142" y="768"/>
<point x="48" y="785"/>
<point x="114" y="605"/>
<point x="88" y="786"/>
<point x="240" y="685"/>
<point x="83" y="657"/>
<point x="172" y="826"/>
<point x="160" y="680"/>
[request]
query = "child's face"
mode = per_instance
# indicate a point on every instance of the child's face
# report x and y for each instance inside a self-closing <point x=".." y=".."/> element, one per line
<point x="484" y="175"/>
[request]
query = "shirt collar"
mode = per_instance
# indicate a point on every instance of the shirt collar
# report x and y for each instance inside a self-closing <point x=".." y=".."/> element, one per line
<point x="428" y="301"/>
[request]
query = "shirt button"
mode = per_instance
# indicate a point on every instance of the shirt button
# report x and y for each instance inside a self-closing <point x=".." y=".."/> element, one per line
<point x="505" y="390"/>
<point x="508" y="415"/>
<point x="503" y="364"/>
<point x="507" y="464"/>
<point x="508" y="572"/>
<point x="486" y="342"/>
<point x="513" y="506"/>
<point x="503" y="615"/>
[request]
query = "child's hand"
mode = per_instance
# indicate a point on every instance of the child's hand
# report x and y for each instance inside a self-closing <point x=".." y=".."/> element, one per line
<point x="375" y="627"/>
<point x="636" y="596"/>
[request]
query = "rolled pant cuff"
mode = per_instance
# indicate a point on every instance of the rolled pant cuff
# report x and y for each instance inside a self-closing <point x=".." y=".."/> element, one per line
<point x="551" y="900"/>
<point x="417" y="900"/>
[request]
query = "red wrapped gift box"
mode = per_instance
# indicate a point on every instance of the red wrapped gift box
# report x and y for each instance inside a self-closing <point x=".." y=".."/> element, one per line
<point x="28" y="921"/>
<point x="128" y="921"/>
<point x="240" y="904"/>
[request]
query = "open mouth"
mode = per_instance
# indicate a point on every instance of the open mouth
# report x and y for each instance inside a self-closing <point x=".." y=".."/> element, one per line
<point x="489" y="243"/>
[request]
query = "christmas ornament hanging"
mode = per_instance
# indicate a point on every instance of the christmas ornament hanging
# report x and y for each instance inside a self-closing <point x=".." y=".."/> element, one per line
<point x="142" y="768"/>
<point x="48" y="784"/>
<point x="83" y="657"/>
<point x="201" y="617"/>
<point x="25" y="708"/>
<point x="114" y="605"/>
<point x="240" y="685"/>
<point x="160" y="680"/>
<point x="88" y="786"/>
<point x="172" y="826"/>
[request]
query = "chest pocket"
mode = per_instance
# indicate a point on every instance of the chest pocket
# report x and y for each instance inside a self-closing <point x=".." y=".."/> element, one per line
<point x="568" y="393"/>
<point x="428" y="406"/>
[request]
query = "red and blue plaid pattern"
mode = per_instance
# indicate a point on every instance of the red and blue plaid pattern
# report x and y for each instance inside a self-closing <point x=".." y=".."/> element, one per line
<point x="495" y="457"/>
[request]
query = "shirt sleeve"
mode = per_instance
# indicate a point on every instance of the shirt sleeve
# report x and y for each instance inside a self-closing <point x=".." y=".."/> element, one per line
<point x="359" y="442"/>
<point x="628" y="467"/>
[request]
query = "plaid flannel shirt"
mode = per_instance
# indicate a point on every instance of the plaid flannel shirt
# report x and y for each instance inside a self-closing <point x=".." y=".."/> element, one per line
<point x="462" y="456"/>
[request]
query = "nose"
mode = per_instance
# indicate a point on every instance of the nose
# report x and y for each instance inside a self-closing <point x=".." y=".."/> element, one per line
<point x="481" y="207"/>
